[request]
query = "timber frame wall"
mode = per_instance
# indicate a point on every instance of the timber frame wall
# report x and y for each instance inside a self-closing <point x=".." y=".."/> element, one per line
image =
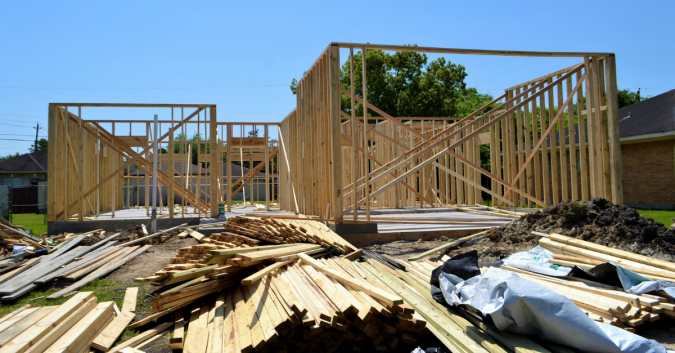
<point x="553" y="138"/>
<point x="89" y="160"/>
<point x="421" y="162"/>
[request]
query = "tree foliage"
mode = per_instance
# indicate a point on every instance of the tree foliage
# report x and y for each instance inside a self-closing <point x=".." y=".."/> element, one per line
<point x="41" y="144"/>
<point x="406" y="84"/>
<point x="628" y="97"/>
<point x="9" y="156"/>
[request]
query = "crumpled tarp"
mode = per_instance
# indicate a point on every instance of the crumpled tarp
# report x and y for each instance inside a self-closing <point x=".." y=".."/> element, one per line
<point x="536" y="260"/>
<point x="614" y="275"/>
<point x="524" y="307"/>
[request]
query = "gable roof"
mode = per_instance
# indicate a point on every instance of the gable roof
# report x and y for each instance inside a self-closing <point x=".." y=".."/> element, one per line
<point x="181" y="168"/>
<point x="35" y="162"/>
<point x="655" y="115"/>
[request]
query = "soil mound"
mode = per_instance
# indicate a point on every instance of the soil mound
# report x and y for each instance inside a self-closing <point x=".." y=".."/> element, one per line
<point x="597" y="220"/>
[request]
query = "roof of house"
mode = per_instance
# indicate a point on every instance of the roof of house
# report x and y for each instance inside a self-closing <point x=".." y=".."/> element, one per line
<point x="180" y="168"/>
<point x="651" y="116"/>
<point x="35" y="162"/>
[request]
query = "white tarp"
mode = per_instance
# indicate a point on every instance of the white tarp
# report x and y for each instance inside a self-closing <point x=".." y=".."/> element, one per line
<point x="524" y="307"/>
<point x="536" y="260"/>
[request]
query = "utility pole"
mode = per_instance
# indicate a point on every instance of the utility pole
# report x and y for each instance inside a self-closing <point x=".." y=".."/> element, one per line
<point x="37" y="131"/>
<point x="153" y="225"/>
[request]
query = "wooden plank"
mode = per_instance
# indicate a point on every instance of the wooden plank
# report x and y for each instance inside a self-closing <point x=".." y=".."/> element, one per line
<point x="264" y="272"/>
<point x="10" y="315"/>
<point x="141" y="337"/>
<point x="335" y="131"/>
<point x="176" y="341"/>
<point x="130" y="296"/>
<point x="23" y="341"/>
<point x="107" y="338"/>
<point x="51" y="335"/>
<point x="20" y="326"/>
<point x="378" y="293"/>
<point x="99" y="273"/>
<point x="616" y="166"/>
<point x="83" y="329"/>
<point x="447" y="246"/>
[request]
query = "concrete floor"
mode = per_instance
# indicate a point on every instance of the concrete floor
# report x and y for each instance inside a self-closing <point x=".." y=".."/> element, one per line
<point x="464" y="220"/>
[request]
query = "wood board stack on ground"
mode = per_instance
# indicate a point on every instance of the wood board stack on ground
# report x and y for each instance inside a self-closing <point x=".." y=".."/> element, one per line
<point x="284" y="231"/>
<point x="71" y="264"/>
<point x="601" y="302"/>
<point x="69" y="327"/>
<point x="296" y="304"/>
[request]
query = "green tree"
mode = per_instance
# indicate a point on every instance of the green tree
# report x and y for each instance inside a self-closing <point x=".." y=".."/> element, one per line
<point x="9" y="156"/>
<point x="41" y="144"/>
<point x="628" y="97"/>
<point x="407" y="84"/>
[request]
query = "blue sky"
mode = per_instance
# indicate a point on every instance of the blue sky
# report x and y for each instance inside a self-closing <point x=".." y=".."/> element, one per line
<point x="243" y="55"/>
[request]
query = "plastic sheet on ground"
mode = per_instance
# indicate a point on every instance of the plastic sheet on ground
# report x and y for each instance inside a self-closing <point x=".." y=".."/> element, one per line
<point x="615" y="275"/>
<point x="536" y="260"/>
<point x="524" y="307"/>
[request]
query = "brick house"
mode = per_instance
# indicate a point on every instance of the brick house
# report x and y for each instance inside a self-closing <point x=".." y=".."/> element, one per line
<point x="648" y="152"/>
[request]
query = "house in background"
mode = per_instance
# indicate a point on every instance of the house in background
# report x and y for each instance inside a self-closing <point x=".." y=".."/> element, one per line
<point x="23" y="183"/>
<point x="26" y="169"/>
<point x="648" y="152"/>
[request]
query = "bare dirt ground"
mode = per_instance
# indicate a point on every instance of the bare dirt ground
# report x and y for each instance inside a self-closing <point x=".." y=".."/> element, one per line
<point x="152" y="260"/>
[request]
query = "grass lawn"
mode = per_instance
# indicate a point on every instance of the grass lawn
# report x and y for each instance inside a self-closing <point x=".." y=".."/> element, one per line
<point x="36" y="222"/>
<point x="661" y="216"/>
<point x="104" y="289"/>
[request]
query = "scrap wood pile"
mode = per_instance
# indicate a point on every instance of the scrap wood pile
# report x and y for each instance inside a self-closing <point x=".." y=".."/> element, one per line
<point x="601" y="302"/>
<point x="15" y="236"/>
<point x="78" y="325"/>
<point x="278" y="297"/>
<point x="284" y="231"/>
<point x="571" y="252"/>
<point x="70" y="264"/>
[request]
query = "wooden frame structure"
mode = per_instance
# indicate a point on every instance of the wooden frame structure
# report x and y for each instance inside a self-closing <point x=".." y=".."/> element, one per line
<point x="551" y="139"/>
<point x="90" y="161"/>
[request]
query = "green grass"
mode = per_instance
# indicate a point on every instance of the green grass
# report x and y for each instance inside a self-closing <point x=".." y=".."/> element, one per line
<point x="37" y="223"/>
<point x="661" y="216"/>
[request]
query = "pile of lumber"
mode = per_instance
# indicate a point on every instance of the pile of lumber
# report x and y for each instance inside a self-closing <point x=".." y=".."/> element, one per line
<point x="11" y="236"/>
<point x="284" y="231"/>
<point x="78" y="325"/>
<point x="458" y="331"/>
<point x="602" y="303"/>
<point x="575" y="252"/>
<point x="69" y="327"/>
<point x="297" y="304"/>
<point x="68" y="263"/>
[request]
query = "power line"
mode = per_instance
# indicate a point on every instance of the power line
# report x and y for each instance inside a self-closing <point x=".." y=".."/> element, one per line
<point x="27" y="116"/>
<point x="16" y="140"/>
<point x="20" y="135"/>
<point x="143" y="88"/>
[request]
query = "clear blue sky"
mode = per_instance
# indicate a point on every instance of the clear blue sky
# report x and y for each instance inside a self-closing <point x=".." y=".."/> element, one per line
<point x="242" y="56"/>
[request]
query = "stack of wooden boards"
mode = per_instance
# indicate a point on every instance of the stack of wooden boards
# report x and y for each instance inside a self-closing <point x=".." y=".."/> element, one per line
<point x="70" y="327"/>
<point x="76" y="265"/>
<point x="458" y="331"/>
<point x="296" y="304"/>
<point x="602" y="303"/>
<point x="575" y="252"/>
<point x="284" y="231"/>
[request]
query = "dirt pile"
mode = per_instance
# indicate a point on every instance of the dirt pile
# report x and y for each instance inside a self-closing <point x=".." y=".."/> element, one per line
<point x="598" y="221"/>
